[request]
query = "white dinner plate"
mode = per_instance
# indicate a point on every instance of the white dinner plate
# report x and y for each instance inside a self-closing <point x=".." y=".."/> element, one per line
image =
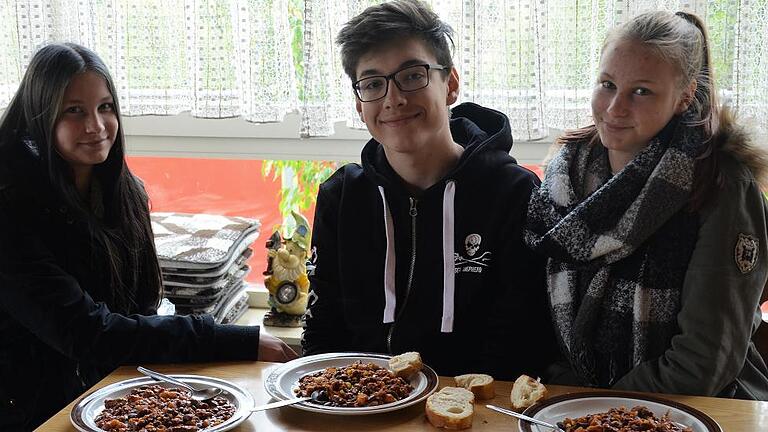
<point x="84" y="413"/>
<point x="574" y="405"/>
<point x="282" y="380"/>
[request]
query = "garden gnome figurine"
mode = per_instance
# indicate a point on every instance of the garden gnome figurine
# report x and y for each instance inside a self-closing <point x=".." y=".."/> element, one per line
<point x="288" y="284"/>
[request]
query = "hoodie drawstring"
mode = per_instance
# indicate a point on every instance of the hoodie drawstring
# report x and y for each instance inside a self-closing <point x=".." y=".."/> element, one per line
<point x="390" y="298"/>
<point x="448" y="258"/>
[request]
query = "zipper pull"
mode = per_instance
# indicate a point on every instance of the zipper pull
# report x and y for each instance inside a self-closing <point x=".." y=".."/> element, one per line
<point x="413" y="212"/>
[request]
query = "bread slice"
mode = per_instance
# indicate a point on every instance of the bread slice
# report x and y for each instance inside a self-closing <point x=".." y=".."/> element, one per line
<point x="526" y="391"/>
<point x="406" y="364"/>
<point x="451" y="408"/>
<point x="479" y="384"/>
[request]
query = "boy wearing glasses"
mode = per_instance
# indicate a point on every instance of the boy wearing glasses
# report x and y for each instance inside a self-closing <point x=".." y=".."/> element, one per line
<point x="420" y="248"/>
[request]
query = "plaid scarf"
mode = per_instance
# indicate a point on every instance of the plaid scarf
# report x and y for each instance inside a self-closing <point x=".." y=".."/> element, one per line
<point x="619" y="246"/>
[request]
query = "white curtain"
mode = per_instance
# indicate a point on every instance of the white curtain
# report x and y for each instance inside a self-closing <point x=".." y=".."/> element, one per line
<point x="213" y="58"/>
<point x="532" y="59"/>
<point x="536" y="60"/>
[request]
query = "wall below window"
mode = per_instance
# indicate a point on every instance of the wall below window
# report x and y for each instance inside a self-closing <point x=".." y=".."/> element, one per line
<point x="185" y="136"/>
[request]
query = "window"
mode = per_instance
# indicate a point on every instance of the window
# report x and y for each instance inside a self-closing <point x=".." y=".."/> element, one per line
<point x="260" y="59"/>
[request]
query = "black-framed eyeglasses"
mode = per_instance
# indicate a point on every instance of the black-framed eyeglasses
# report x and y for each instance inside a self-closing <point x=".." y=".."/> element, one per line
<point x="407" y="79"/>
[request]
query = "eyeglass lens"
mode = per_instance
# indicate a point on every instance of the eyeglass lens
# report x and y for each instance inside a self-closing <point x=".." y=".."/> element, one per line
<point x="409" y="79"/>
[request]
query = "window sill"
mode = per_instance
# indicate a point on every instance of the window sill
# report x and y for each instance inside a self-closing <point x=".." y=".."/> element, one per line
<point x="185" y="136"/>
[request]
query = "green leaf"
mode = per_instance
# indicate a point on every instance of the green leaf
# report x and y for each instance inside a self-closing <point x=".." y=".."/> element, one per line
<point x="306" y="179"/>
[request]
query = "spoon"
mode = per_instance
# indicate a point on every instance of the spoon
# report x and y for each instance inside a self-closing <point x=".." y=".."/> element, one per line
<point x="202" y="394"/>
<point x="523" y="417"/>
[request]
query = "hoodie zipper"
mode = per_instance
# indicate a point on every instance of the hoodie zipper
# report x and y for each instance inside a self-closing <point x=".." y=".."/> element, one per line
<point x="413" y="212"/>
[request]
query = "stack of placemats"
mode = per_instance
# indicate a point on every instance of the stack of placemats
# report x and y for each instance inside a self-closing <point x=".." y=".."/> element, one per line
<point x="203" y="258"/>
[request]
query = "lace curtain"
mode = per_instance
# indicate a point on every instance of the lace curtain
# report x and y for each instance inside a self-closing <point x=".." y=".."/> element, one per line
<point x="532" y="59"/>
<point x="536" y="60"/>
<point x="213" y="58"/>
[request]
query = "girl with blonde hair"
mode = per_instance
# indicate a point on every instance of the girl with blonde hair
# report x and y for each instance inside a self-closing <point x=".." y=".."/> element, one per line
<point x="654" y="223"/>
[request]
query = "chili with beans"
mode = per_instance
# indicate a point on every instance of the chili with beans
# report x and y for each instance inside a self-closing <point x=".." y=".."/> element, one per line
<point x="621" y="419"/>
<point x="152" y="408"/>
<point x="356" y="385"/>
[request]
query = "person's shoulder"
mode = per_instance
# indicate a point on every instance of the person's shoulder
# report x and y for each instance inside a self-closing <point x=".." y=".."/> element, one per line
<point x="511" y="173"/>
<point x="16" y="177"/>
<point x="22" y="194"/>
<point x="505" y="182"/>
<point x="350" y="172"/>
<point x="348" y="182"/>
<point x="14" y="195"/>
<point x="18" y="208"/>
<point x="734" y="172"/>
<point x="8" y="179"/>
<point x="739" y="158"/>
<point x="737" y="185"/>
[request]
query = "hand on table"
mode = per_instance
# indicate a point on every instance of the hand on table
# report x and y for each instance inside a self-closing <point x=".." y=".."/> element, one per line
<point x="272" y="349"/>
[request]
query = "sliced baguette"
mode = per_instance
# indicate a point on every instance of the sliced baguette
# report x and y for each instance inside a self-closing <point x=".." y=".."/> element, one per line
<point x="479" y="384"/>
<point x="406" y="364"/>
<point x="451" y="408"/>
<point x="526" y="391"/>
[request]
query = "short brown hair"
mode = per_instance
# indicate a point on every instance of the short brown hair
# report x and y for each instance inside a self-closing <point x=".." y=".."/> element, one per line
<point x="381" y="24"/>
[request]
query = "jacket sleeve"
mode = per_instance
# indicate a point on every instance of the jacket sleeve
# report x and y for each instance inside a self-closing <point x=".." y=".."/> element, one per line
<point x="48" y="302"/>
<point x="719" y="300"/>
<point x="519" y="337"/>
<point x="325" y="329"/>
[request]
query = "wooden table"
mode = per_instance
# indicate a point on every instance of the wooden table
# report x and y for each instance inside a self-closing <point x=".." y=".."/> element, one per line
<point x="732" y="415"/>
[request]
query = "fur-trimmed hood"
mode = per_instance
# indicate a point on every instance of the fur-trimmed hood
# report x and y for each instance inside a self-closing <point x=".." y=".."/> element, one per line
<point x="735" y="141"/>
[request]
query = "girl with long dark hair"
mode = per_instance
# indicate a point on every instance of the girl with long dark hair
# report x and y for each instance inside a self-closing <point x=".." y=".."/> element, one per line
<point x="79" y="277"/>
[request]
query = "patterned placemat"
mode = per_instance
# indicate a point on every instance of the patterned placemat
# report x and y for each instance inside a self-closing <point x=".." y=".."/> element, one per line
<point x="201" y="241"/>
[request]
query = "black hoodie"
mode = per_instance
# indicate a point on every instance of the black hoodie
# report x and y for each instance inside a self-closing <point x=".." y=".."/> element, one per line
<point x="446" y="273"/>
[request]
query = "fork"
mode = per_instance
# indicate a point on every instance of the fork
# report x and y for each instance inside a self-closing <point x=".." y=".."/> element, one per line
<point x="523" y="417"/>
<point x="201" y="394"/>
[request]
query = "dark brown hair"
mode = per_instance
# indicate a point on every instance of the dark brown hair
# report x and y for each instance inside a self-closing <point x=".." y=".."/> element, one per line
<point x="123" y="236"/>
<point x="385" y="23"/>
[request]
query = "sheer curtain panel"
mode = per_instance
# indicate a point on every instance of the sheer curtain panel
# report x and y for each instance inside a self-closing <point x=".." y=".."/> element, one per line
<point x="213" y="58"/>
<point x="534" y="60"/>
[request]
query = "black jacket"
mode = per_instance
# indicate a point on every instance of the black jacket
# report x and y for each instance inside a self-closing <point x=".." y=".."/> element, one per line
<point x="501" y="323"/>
<point x="57" y="336"/>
